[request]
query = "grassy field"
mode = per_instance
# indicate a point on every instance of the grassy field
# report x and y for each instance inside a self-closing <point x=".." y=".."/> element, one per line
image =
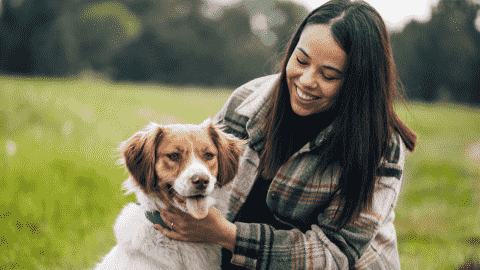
<point x="60" y="184"/>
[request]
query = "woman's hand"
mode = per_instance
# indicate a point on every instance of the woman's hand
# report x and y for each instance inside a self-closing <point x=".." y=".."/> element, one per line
<point x="214" y="228"/>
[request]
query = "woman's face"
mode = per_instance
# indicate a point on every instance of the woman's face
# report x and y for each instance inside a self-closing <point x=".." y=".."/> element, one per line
<point x="314" y="71"/>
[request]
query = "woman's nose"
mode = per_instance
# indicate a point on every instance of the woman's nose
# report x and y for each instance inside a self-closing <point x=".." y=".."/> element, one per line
<point x="307" y="79"/>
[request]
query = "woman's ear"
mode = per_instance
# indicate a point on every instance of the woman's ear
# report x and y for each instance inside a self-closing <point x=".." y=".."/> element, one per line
<point x="229" y="152"/>
<point x="139" y="155"/>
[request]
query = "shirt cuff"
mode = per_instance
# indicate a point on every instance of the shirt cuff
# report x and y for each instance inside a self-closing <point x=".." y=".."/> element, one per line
<point x="246" y="245"/>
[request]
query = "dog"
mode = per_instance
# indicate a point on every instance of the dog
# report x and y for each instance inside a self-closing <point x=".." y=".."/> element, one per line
<point x="190" y="165"/>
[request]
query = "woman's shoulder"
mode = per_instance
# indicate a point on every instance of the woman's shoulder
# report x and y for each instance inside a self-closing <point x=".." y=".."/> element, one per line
<point x="228" y="115"/>
<point x="245" y="90"/>
<point x="240" y="94"/>
<point x="256" y="83"/>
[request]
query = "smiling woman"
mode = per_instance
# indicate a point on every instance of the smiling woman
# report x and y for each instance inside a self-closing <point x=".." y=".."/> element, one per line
<point x="318" y="183"/>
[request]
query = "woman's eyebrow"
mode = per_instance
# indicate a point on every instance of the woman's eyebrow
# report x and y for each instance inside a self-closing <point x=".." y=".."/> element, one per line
<point x="303" y="51"/>
<point x="328" y="67"/>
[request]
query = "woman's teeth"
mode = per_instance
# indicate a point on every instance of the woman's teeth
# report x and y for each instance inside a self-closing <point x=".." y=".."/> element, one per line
<point x="305" y="97"/>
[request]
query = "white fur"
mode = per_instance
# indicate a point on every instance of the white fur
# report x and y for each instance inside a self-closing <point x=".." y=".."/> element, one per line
<point x="141" y="246"/>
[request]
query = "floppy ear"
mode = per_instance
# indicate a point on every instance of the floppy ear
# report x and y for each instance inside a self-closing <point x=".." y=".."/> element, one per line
<point x="229" y="152"/>
<point x="139" y="155"/>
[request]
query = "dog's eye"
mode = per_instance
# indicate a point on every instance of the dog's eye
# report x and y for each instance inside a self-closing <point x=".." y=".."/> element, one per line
<point x="209" y="155"/>
<point x="173" y="156"/>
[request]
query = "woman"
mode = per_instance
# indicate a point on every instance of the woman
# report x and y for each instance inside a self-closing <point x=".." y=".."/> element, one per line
<point x="319" y="180"/>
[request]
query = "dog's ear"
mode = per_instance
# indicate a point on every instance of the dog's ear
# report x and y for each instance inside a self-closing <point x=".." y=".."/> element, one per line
<point x="229" y="152"/>
<point x="139" y="155"/>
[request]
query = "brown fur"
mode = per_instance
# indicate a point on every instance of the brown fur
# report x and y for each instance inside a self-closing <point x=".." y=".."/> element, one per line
<point x="145" y="155"/>
<point x="229" y="153"/>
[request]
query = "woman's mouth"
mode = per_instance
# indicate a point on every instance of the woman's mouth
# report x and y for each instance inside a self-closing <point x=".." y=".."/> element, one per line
<point x="304" y="96"/>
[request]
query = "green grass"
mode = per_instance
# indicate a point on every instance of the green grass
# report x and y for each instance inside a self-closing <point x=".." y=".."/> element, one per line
<point x="60" y="184"/>
<point x="437" y="215"/>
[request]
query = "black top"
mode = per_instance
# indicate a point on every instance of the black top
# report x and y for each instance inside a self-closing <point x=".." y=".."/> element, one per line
<point x="254" y="210"/>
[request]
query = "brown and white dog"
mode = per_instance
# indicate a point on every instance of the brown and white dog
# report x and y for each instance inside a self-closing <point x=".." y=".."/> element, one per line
<point x="189" y="165"/>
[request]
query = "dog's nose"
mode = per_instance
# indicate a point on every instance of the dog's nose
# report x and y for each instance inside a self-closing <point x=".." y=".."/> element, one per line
<point x="200" y="180"/>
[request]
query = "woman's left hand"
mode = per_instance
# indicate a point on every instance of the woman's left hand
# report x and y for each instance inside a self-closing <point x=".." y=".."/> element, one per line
<point x="214" y="228"/>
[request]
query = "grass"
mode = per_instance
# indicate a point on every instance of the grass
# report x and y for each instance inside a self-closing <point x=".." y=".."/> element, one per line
<point x="438" y="218"/>
<point x="60" y="184"/>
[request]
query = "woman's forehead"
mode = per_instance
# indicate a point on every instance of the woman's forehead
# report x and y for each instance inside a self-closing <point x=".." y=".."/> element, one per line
<point x="317" y="41"/>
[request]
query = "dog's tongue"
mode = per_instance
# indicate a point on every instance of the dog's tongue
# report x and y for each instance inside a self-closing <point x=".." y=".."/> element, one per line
<point x="197" y="207"/>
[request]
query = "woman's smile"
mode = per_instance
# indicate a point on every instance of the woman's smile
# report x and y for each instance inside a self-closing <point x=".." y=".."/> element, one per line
<point x="304" y="96"/>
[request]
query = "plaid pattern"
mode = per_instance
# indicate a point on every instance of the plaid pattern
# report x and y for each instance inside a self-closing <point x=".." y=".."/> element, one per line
<point x="299" y="196"/>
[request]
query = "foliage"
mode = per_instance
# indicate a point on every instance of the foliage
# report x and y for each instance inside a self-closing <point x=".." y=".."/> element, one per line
<point x="183" y="42"/>
<point x="439" y="59"/>
<point x="60" y="184"/>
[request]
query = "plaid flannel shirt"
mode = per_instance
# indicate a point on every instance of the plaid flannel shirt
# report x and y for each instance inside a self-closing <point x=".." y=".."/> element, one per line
<point x="299" y="196"/>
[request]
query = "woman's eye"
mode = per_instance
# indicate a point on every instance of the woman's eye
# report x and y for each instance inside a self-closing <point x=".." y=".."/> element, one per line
<point x="328" y="78"/>
<point x="300" y="61"/>
<point x="173" y="156"/>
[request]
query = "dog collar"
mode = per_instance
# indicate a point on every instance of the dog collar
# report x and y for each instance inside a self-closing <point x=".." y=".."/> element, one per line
<point x="155" y="218"/>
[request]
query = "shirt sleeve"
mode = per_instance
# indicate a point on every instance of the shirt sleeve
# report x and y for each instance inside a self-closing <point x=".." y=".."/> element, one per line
<point x="260" y="246"/>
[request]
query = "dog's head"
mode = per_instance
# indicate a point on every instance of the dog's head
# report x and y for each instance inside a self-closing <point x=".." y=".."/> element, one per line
<point x="182" y="163"/>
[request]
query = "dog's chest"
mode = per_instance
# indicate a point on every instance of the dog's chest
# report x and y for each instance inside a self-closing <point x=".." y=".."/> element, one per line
<point x="137" y="236"/>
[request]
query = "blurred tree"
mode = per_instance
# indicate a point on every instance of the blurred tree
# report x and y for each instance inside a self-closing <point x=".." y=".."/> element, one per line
<point x="184" y="43"/>
<point x="441" y="54"/>
<point x="103" y="30"/>
<point x="176" y="46"/>
<point x="19" y="22"/>
<point x="175" y="41"/>
<point x="408" y="50"/>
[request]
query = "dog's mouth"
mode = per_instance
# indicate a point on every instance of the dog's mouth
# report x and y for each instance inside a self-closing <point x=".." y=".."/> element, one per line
<point x="196" y="205"/>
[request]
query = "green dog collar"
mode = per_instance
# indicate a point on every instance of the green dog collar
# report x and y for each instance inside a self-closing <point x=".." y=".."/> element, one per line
<point x="155" y="218"/>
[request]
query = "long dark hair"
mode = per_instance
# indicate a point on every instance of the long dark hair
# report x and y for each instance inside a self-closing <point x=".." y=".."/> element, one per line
<point x="365" y="118"/>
